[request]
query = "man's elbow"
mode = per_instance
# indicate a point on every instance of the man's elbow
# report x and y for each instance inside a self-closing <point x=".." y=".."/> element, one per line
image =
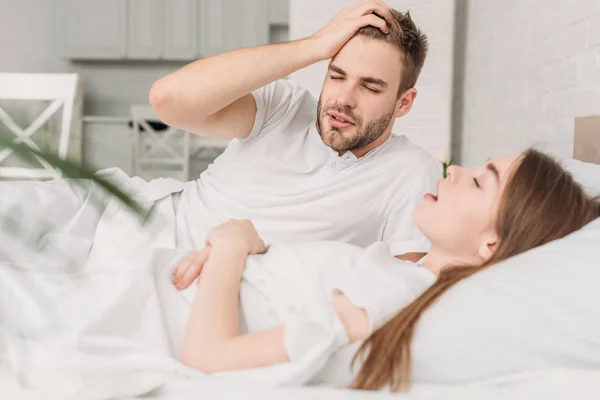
<point x="171" y="108"/>
<point x="160" y="98"/>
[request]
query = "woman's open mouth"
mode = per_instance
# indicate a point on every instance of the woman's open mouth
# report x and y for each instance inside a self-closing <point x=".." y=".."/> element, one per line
<point x="430" y="197"/>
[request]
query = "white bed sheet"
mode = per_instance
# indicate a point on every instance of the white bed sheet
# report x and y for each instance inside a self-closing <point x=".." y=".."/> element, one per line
<point x="112" y="368"/>
<point x="547" y="385"/>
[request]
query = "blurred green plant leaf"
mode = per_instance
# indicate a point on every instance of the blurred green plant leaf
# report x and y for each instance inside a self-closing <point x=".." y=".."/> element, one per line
<point x="73" y="170"/>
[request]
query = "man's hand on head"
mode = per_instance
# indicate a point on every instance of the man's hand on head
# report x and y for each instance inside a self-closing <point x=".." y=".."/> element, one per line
<point x="334" y="35"/>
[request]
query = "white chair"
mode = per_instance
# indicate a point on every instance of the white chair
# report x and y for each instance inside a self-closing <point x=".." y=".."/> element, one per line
<point x="64" y="93"/>
<point x="158" y="152"/>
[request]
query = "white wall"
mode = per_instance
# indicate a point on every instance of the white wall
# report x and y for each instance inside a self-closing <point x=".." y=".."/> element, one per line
<point x="530" y="68"/>
<point x="429" y="122"/>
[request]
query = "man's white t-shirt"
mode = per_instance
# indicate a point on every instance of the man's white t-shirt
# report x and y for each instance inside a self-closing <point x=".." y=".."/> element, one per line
<point x="294" y="188"/>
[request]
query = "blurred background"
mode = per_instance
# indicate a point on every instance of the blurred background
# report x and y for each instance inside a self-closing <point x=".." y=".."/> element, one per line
<point x="501" y="75"/>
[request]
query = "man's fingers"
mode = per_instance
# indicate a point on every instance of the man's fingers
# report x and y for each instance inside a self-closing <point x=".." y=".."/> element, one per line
<point x="377" y="7"/>
<point x="372" y="20"/>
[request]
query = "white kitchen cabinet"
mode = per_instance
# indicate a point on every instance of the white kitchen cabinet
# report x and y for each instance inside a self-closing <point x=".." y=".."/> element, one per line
<point x="230" y="24"/>
<point x="162" y="29"/>
<point x="181" y="30"/>
<point x="95" y="29"/>
<point x="145" y="29"/>
<point x="166" y="29"/>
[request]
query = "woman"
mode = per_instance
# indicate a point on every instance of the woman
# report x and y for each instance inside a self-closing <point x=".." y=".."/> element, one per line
<point x="478" y="217"/>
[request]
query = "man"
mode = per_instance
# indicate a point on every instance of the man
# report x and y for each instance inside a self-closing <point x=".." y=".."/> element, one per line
<point x="304" y="170"/>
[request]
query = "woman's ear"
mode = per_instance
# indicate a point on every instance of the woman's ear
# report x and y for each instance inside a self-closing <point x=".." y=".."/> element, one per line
<point x="488" y="247"/>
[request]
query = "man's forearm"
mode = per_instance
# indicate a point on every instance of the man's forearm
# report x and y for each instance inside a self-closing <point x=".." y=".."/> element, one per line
<point x="211" y="84"/>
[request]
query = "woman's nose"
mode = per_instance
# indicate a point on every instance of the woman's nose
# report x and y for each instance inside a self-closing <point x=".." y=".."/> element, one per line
<point x="453" y="173"/>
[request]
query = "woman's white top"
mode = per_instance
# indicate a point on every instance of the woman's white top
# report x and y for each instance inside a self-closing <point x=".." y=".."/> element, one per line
<point x="294" y="285"/>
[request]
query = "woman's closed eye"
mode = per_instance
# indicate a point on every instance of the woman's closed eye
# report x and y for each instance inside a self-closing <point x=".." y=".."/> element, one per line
<point x="476" y="183"/>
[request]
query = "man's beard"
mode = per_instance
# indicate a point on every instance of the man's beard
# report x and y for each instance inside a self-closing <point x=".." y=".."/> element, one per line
<point x="366" y="133"/>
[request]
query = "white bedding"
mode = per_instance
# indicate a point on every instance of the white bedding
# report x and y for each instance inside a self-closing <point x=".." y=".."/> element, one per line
<point x="546" y="385"/>
<point x="107" y="322"/>
<point x="108" y="327"/>
<point x="90" y="325"/>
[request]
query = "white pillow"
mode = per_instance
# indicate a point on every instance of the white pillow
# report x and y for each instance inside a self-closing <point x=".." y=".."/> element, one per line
<point x="587" y="174"/>
<point x="538" y="310"/>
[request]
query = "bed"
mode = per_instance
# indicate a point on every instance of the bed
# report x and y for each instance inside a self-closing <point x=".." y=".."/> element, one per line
<point x="112" y="370"/>
<point x="548" y="384"/>
<point x="543" y="384"/>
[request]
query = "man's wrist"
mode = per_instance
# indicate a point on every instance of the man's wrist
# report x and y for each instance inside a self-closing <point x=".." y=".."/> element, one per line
<point x="310" y="47"/>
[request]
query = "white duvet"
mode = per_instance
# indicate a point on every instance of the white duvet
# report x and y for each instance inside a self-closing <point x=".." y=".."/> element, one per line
<point x="107" y="322"/>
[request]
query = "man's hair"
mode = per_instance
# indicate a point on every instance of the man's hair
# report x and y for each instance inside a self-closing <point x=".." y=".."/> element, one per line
<point x="412" y="43"/>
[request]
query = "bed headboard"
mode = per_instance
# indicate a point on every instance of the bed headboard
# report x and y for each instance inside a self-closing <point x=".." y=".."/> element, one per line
<point x="586" y="146"/>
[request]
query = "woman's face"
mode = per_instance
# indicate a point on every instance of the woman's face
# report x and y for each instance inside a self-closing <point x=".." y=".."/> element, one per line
<point x="460" y="219"/>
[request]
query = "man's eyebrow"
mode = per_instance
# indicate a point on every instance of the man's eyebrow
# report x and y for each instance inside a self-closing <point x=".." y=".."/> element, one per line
<point x="375" y="81"/>
<point x="337" y="69"/>
<point x="366" y="79"/>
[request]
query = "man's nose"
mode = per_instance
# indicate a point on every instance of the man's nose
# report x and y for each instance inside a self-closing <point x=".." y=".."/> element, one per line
<point x="346" y="96"/>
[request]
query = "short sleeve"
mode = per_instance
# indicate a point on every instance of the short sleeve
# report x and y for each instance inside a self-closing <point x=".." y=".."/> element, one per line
<point x="383" y="285"/>
<point x="400" y="231"/>
<point x="276" y="103"/>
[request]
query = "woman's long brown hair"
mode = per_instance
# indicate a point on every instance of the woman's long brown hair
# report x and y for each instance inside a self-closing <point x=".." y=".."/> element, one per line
<point x="541" y="203"/>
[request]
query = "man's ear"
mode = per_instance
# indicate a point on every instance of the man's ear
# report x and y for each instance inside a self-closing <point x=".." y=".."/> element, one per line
<point x="405" y="102"/>
<point x="488" y="247"/>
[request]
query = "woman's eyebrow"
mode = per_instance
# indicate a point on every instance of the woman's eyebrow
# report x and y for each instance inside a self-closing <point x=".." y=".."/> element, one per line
<point x="494" y="170"/>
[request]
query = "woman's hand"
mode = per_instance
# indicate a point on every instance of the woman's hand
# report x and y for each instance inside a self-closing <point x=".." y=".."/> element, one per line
<point x="189" y="268"/>
<point x="234" y="235"/>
